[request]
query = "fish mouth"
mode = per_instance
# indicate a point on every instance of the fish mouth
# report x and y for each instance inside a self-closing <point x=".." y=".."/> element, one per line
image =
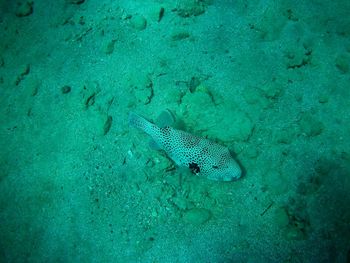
<point x="232" y="176"/>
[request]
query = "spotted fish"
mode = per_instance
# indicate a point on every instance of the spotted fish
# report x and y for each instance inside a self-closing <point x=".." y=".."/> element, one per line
<point x="203" y="157"/>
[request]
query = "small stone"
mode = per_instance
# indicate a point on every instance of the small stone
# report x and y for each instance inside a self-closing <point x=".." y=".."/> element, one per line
<point x="110" y="47"/>
<point x="138" y="22"/>
<point x="108" y="124"/>
<point x="66" y="89"/>
<point x="23" y="72"/>
<point x="179" y="35"/>
<point x="33" y="86"/>
<point x="342" y="63"/>
<point x="161" y="14"/>
<point x="89" y="92"/>
<point x="76" y="2"/>
<point x="323" y="98"/>
<point x="25" y="9"/>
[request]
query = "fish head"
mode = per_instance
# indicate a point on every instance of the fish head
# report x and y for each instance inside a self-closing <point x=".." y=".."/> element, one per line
<point x="230" y="170"/>
<point x="226" y="172"/>
<point x="225" y="168"/>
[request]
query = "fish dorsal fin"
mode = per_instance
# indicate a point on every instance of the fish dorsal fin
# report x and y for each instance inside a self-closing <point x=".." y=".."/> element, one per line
<point x="165" y="118"/>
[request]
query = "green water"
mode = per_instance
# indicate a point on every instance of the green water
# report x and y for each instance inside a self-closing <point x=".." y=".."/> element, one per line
<point x="269" y="80"/>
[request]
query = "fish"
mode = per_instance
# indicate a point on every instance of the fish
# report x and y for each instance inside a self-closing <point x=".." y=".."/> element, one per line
<point x="203" y="157"/>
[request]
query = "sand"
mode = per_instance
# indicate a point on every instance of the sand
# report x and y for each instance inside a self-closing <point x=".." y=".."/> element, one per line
<point x="268" y="79"/>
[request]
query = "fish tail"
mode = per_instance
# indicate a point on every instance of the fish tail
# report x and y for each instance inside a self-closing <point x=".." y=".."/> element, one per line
<point x="142" y="124"/>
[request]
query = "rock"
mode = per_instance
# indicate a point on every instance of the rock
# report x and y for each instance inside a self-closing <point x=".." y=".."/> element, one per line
<point x="297" y="56"/>
<point x="224" y="122"/>
<point x="180" y="202"/>
<point x="156" y="13"/>
<point x="192" y="107"/>
<point x="251" y="152"/>
<point x="142" y="87"/>
<point x="234" y="126"/>
<point x="285" y="136"/>
<point x="25" y="9"/>
<point x="294" y="234"/>
<point x="255" y="96"/>
<point x="310" y="126"/>
<point x="252" y="95"/>
<point x="138" y="22"/>
<point x="194" y="83"/>
<point x="281" y="217"/>
<point x="271" y="90"/>
<point x="298" y="227"/>
<point x="270" y="23"/>
<point x="323" y="167"/>
<point x="197" y="216"/>
<point x="187" y="8"/>
<point x="276" y="182"/>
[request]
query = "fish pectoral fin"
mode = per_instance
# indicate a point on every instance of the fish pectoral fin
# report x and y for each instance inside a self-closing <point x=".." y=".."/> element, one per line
<point x="165" y="118"/>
